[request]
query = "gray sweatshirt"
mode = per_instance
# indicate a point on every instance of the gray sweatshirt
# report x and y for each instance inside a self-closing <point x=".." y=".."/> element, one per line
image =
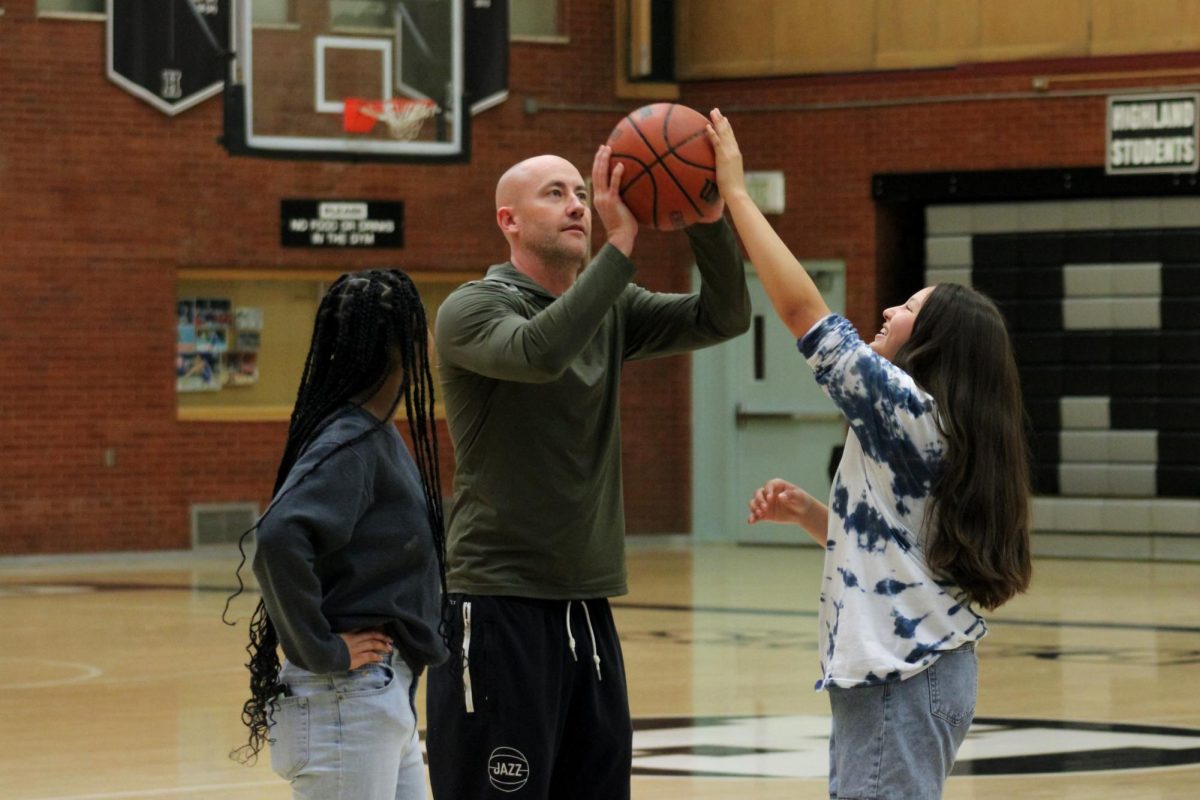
<point x="531" y="385"/>
<point x="349" y="548"/>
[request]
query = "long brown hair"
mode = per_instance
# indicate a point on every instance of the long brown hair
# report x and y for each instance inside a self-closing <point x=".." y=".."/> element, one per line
<point x="977" y="530"/>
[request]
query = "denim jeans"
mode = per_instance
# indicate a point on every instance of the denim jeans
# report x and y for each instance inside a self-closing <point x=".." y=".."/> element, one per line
<point x="898" y="740"/>
<point x="349" y="735"/>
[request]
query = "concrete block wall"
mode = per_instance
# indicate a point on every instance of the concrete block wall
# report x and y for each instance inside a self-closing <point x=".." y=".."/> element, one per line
<point x="1103" y="301"/>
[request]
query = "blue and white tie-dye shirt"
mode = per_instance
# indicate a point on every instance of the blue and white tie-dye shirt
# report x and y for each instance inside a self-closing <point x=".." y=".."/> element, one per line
<point x="884" y="615"/>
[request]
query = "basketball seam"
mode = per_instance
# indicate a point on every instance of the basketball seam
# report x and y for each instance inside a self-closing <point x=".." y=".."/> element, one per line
<point x="691" y="138"/>
<point x="640" y="163"/>
<point x="659" y="160"/>
<point x="645" y="171"/>
<point x="672" y="152"/>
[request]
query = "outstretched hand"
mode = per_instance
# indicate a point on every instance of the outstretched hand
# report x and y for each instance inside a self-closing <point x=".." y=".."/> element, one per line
<point x="366" y="647"/>
<point x="779" y="501"/>
<point x="619" y="224"/>
<point x="731" y="177"/>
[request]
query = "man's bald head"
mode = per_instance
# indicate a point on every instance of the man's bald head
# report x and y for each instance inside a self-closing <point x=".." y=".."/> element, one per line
<point x="543" y="210"/>
<point x="524" y="177"/>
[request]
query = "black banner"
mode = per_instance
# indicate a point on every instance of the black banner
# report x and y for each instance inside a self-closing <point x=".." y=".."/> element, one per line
<point x="341" y="223"/>
<point x="486" y="45"/>
<point x="170" y="53"/>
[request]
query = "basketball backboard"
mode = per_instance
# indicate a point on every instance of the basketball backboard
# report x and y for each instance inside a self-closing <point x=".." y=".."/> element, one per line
<point x="304" y="69"/>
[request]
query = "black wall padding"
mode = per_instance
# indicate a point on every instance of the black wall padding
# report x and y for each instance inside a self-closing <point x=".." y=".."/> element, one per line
<point x="1151" y="377"/>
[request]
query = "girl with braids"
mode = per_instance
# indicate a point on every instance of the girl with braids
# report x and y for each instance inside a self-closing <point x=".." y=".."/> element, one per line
<point x="350" y="556"/>
<point x="928" y="513"/>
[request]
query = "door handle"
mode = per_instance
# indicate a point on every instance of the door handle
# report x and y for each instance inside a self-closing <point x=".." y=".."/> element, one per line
<point x="743" y="415"/>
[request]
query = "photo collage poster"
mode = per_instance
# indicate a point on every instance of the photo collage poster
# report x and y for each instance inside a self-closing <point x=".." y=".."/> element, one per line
<point x="216" y="345"/>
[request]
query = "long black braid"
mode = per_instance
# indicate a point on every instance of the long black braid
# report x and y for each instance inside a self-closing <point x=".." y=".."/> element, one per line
<point x="364" y="322"/>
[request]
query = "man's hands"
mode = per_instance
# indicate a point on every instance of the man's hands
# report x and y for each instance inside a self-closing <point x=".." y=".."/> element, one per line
<point x="715" y="212"/>
<point x="616" y="217"/>
<point x="619" y="224"/>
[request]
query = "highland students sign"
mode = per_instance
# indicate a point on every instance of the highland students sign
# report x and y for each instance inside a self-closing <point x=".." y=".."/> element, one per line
<point x="1152" y="133"/>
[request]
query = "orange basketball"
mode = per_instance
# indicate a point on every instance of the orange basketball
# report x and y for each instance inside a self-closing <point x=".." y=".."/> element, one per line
<point x="670" y="178"/>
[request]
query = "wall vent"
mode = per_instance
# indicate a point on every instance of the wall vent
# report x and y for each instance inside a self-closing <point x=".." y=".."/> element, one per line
<point x="221" y="523"/>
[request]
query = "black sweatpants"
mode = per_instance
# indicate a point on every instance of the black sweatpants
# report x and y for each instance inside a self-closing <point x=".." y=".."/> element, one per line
<point x="524" y="718"/>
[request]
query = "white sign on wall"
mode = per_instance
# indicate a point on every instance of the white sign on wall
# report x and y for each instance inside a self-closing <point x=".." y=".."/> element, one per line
<point x="1152" y="133"/>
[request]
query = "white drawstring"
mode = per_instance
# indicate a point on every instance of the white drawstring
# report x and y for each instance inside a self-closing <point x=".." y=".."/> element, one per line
<point x="595" y="655"/>
<point x="571" y="637"/>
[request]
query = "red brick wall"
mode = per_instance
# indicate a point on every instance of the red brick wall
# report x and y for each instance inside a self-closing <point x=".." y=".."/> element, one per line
<point x="975" y="117"/>
<point x="103" y="199"/>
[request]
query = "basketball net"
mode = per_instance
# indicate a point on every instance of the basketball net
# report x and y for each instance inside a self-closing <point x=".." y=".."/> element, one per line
<point x="402" y="116"/>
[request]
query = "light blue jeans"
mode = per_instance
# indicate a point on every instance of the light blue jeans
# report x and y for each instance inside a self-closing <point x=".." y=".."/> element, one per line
<point x="898" y="740"/>
<point x="349" y="735"/>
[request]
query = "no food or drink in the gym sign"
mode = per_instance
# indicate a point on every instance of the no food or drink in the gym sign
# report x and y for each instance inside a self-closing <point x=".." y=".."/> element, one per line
<point x="341" y="223"/>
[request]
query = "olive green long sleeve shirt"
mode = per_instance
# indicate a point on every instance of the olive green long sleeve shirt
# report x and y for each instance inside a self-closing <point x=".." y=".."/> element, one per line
<point x="531" y="387"/>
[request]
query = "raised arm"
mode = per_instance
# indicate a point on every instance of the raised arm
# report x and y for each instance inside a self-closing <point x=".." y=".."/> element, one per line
<point x="482" y="327"/>
<point x="663" y="324"/>
<point x="796" y="299"/>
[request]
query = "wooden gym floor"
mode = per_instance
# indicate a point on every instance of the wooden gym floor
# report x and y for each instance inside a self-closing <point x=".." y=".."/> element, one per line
<point x="118" y="680"/>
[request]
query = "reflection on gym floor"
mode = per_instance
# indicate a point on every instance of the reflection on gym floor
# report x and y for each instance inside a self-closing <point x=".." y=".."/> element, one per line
<point x="119" y="681"/>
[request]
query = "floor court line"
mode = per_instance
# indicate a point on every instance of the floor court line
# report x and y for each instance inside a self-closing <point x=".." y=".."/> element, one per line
<point x="784" y="612"/>
<point x="165" y="791"/>
<point x="666" y="607"/>
<point x="87" y="672"/>
<point x="1130" y="622"/>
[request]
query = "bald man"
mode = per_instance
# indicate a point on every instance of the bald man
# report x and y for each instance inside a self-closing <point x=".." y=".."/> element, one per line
<point x="535" y="704"/>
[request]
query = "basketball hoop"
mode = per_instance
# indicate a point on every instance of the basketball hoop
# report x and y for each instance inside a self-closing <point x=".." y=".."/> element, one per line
<point x="402" y="116"/>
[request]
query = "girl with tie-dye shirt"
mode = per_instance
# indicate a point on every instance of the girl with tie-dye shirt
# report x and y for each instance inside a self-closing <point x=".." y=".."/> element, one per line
<point x="930" y="508"/>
